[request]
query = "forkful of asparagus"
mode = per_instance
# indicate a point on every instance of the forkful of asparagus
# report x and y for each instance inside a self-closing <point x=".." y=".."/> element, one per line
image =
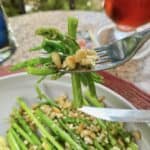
<point x="110" y="55"/>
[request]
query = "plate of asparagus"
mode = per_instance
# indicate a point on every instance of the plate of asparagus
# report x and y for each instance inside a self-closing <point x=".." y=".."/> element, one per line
<point x="39" y="109"/>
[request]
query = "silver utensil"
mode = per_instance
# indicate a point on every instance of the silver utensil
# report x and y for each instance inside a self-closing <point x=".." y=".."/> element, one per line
<point x="118" y="52"/>
<point x="120" y="115"/>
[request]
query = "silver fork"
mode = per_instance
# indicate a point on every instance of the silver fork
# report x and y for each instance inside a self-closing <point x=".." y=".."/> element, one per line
<point x="119" y="52"/>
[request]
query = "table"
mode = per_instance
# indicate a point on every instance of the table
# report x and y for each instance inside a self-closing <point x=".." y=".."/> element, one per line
<point x="135" y="71"/>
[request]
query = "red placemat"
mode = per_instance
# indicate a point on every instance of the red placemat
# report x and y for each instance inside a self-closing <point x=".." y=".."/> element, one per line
<point x="138" y="98"/>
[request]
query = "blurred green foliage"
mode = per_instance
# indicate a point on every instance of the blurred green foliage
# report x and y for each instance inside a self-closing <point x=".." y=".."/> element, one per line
<point x="10" y="10"/>
<point x="15" y="7"/>
<point x="50" y="4"/>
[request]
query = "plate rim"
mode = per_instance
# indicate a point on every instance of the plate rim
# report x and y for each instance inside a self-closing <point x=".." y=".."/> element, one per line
<point x="15" y="75"/>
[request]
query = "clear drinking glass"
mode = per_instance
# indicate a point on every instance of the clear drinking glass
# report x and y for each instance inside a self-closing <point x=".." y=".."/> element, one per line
<point x="7" y="41"/>
<point x="128" y="15"/>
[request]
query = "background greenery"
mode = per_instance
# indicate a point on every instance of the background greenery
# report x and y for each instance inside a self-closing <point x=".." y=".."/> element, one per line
<point x="16" y="7"/>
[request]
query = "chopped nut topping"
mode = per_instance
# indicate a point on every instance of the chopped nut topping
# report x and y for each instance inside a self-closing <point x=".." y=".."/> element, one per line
<point x="83" y="57"/>
<point x="136" y="135"/>
<point x="88" y="140"/>
<point x="56" y="59"/>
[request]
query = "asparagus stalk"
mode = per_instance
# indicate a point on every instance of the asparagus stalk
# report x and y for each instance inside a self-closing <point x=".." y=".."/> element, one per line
<point x="132" y="146"/>
<point x="39" y="125"/>
<point x="72" y="27"/>
<point x="40" y="71"/>
<point x="112" y="140"/>
<point x="50" y="33"/>
<point x="22" y="133"/>
<point x="18" y="140"/>
<point x="92" y="100"/>
<point x="76" y="120"/>
<point x="76" y="89"/>
<point x="12" y="142"/>
<point x="56" y="129"/>
<point x="97" y="77"/>
<point x="55" y="34"/>
<point x="91" y="86"/>
<point x="57" y="46"/>
<point x="75" y="137"/>
<point x="85" y="102"/>
<point x="42" y="96"/>
<point x="31" y="62"/>
<point x="75" y="77"/>
<point x="97" y="145"/>
<point x="27" y="129"/>
<point x="46" y="145"/>
<point x="101" y="124"/>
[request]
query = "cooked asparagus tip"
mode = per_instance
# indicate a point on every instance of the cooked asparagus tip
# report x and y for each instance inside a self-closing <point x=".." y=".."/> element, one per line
<point x="45" y="98"/>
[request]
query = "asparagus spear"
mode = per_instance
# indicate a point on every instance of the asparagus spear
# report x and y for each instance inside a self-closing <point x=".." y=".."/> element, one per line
<point x="98" y="145"/>
<point x="89" y="76"/>
<point x="97" y="77"/>
<point x="39" y="125"/>
<point x="43" y="97"/>
<point x="132" y="146"/>
<point x="18" y="140"/>
<point x="75" y="77"/>
<point x="77" y="91"/>
<point x="56" y="129"/>
<point x="46" y="145"/>
<point x="42" y="71"/>
<point x="113" y="141"/>
<point x="57" y="46"/>
<point x="91" y="85"/>
<point x="27" y="129"/>
<point x="22" y="133"/>
<point x="72" y="27"/>
<point x="85" y="102"/>
<point x="50" y="33"/>
<point x="12" y="142"/>
<point x="55" y="34"/>
<point x="73" y="135"/>
<point x="92" y="100"/>
<point x="31" y="62"/>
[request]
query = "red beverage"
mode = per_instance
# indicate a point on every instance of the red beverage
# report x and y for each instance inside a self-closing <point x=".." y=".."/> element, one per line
<point x="128" y="14"/>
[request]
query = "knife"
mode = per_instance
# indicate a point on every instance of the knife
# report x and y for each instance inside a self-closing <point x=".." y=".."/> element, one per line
<point x="120" y="115"/>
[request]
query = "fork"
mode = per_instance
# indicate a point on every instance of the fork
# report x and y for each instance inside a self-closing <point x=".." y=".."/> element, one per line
<point x="118" y="52"/>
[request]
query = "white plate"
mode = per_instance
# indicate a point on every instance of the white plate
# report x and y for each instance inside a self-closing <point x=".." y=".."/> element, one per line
<point x="23" y="85"/>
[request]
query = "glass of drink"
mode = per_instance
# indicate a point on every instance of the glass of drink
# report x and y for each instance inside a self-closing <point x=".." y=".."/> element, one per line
<point x="7" y="42"/>
<point x="128" y="14"/>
